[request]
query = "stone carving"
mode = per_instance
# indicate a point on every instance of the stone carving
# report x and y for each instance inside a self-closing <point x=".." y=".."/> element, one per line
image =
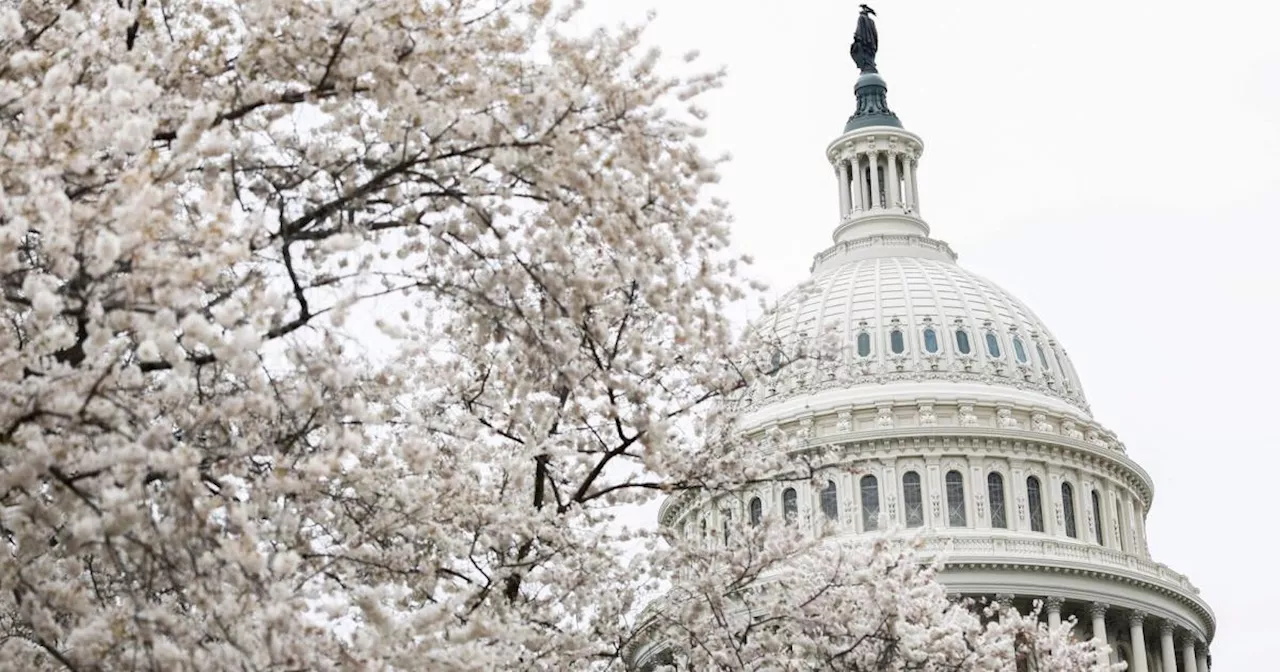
<point x="805" y="429"/>
<point x="967" y="416"/>
<point x="844" y="421"/>
<point x="1005" y="419"/>
<point x="1095" y="438"/>
<point x="866" y="41"/>
<point x="1039" y="423"/>
<point x="937" y="505"/>
<point x="1057" y="511"/>
<point x="884" y="419"/>
<point x="1022" y="508"/>
<point x="1053" y="604"/>
<point x="927" y="417"/>
<point x="1099" y="609"/>
<point x="1069" y="429"/>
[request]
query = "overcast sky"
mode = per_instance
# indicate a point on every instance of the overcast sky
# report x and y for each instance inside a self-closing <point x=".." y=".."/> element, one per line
<point x="1116" y="165"/>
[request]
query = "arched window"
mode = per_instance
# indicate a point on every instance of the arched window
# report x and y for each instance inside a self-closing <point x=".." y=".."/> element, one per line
<point x="1034" y="505"/>
<point x="995" y="492"/>
<point x="1044" y="363"/>
<point x="1124" y="545"/>
<point x="790" y="507"/>
<point x="864" y="344"/>
<point x="955" y="499"/>
<point x="870" y="502"/>
<point x="930" y="340"/>
<point x="993" y="345"/>
<point x="1019" y="350"/>
<point x="1097" y="518"/>
<point x="912" y="499"/>
<point x="830" y="501"/>
<point x="1069" y="509"/>
<point x="756" y="511"/>
<point x="896" y="343"/>
<point x="962" y="342"/>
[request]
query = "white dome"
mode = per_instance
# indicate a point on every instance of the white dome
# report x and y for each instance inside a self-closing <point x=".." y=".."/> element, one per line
<point x="904" y="314"/>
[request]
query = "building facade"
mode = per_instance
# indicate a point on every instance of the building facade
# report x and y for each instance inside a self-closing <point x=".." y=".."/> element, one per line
<point x="955" y="410"/>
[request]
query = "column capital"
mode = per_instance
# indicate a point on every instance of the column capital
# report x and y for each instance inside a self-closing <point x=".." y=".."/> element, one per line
<point x="1053" y="604"/>
<point x="1187" y="640"/>
<point x="1201" y="648"/>
<point x="1136" y="618"/>
<point x="1005" y="600"/>
<point x="1167" y="628"/>
<point x="1099" y="609"/>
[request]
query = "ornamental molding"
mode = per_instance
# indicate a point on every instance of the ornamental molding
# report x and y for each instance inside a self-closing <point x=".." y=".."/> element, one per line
<point x="1003" y="451"/>
<point x="1185" y="596"/>
<point x="882" y="240"/>
<point x="791" y="382"/>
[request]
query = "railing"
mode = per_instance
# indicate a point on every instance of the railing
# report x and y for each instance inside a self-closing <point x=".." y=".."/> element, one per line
<point x="966" y="546"/>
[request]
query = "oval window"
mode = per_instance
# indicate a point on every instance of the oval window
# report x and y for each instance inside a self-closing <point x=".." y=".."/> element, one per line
<point x="930" y="340"/>
<point x="896" y="342"/>
<point x="864" y="344"/>
<point x="1019" y="351"/>
<point x="993" y="345"/>
<point x="962" y="341"/>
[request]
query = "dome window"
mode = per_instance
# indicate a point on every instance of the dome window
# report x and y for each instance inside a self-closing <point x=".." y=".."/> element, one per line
<point x="995" y="492"/>
<point x="726" y="517"/>
<point x="955" y="499"/>
<point x="962" y="342"/>
<point x="1069" y="509"/>
<point x="870" y="502"/>
<point x="864" y="344"/>
<point x="830" y="501"/>
<point x="756" y="510"/>
<point x="1034" y="504"/>
<point x="896" y="342"/>
<point x="1097" y="518"/>
<point x="930" y="340"/>
<point x="993" y="345"/>
<point x="790" y="505"/>
<point x="1044" y="362"/>
<point x="912" y="499"/>
<point x="1019" y="350"/>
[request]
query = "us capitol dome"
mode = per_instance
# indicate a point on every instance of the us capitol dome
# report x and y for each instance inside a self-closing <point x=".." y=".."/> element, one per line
<point x="954" y="409"/>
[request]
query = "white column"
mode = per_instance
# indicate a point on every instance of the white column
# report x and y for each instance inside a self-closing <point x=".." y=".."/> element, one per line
<point x="1168" y="657"/>
<point x="874" y="162"/>
<point x="909" y="199"/>
<point x="855" y="176"/>
<point x="1188" y="654"/>
<point x="915" y="187"/>
<point x="842" y="174"/>
<point x="1138" y="641"/>
<point x="1098" y="611"/>
<point x="1053" y="607"/>
<point x="1202" y="658"/>
<point x="892" y="194"/>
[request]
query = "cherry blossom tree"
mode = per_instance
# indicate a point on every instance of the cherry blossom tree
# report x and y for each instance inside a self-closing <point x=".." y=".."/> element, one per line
<point x="777" y="600"/>
<point x="336" y="335"/>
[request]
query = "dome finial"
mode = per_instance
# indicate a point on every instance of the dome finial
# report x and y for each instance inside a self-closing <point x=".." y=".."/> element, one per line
<point x="866" y="41"/>
<point x="871" y="90"/>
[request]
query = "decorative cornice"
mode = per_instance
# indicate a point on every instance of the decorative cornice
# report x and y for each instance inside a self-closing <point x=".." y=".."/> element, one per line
<point x="887" y="240"/>
<point x="1194" y="603"/>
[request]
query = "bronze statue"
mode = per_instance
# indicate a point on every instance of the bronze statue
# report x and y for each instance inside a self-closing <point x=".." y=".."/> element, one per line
<point x="865" y="41"/>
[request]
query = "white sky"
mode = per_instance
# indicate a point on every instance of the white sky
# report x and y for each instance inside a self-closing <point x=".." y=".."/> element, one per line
<point x="1116" y="165"/>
